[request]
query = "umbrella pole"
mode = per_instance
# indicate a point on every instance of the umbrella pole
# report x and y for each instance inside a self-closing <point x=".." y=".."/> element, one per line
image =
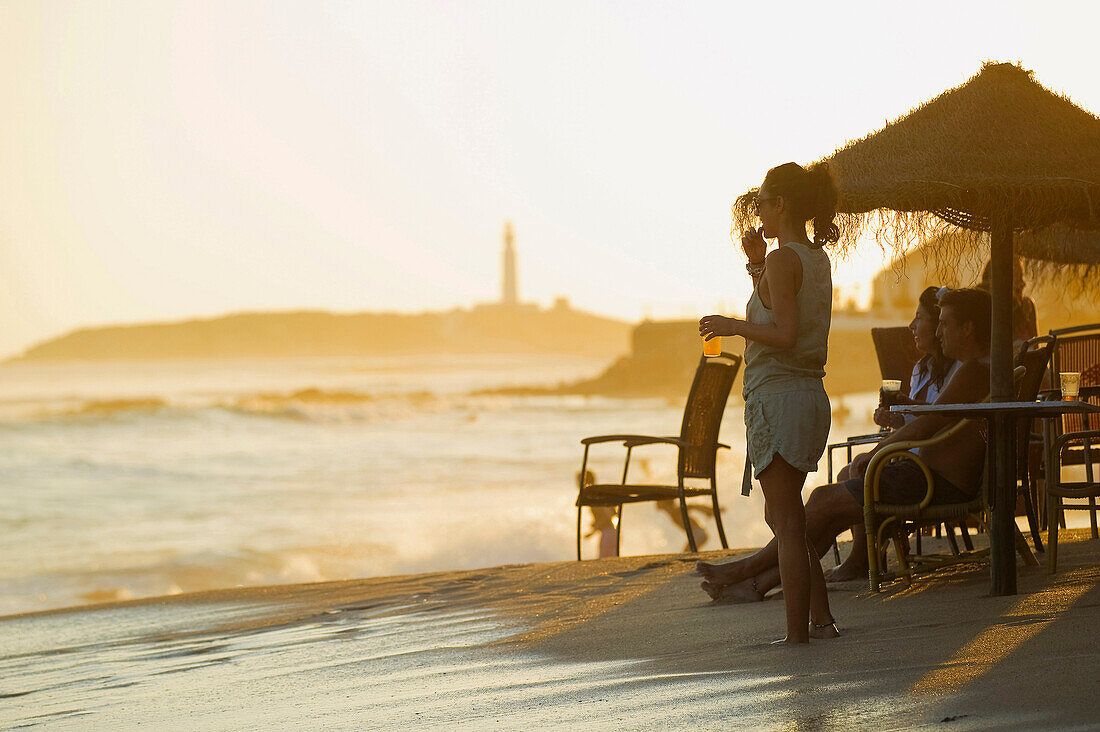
<point x="1002" y="437"/>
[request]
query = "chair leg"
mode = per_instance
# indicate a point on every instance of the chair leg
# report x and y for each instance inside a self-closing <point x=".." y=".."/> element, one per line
<point x="1092" y="516"/>
<point x="1032" y="517"/>
<point x="1052" y="532"/>
<point x="1023" y="549"/>
<point x="966" y="536"/>
<point x="619" y="533"/>
<point x="873" y="552"/>
<point x="951" y="538"/>
<point x="687" y="521"/>
<point x="903" y="561"/>
<point x="717" y="513"/>
<point x="920" y="549"/>
<point x="580" y="510"/>
<point x="836" y="553"/>
<point x="1041" y="502"/>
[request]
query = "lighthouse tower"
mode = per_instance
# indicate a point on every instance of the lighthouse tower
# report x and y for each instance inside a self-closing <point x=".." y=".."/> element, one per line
<point x="508" y="289"/>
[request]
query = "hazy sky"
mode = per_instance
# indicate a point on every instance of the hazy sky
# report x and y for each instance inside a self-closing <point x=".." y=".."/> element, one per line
<point x="162" y="160"/>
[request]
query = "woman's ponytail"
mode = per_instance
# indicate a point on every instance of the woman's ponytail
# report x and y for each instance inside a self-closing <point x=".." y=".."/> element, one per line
<point x="823" y="199"/>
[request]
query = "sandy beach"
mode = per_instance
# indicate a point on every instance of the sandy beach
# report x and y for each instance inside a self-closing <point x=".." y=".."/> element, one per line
<point x="627" y="642"/>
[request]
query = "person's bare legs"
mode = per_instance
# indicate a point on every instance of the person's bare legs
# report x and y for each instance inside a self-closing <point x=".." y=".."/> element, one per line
<point x="751" y="589"/>
<point x="782" y="485"/>
<point x="717" y="576"/>
<point x="854" y="565"/>
<point x="829" y="511"/>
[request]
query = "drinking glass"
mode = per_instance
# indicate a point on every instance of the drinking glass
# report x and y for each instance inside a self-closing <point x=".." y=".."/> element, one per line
<point x="1071" y="385"/>
<point x="713" y="347"/>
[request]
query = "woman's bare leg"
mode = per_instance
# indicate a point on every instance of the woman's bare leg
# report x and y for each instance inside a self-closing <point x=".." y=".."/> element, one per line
<point x="821" y="617"/>
<point x="854" y="565"/>
<point x="728" y="573"/>
<point x="782" y="486"/>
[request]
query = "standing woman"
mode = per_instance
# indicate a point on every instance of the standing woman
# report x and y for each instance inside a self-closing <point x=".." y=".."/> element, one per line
<point x="786" y="333"/>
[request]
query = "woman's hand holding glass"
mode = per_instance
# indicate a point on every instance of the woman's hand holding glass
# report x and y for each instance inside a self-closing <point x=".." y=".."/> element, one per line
<point x="718" y="325"/>
<point x="883" y="416"/>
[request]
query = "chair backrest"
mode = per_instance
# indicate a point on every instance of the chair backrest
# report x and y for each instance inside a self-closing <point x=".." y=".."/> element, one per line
<point x="1034" y="356"/>
<point x="1077" y="349"/>
<point x="897" y="353"/>
<point x="703" y="411"/>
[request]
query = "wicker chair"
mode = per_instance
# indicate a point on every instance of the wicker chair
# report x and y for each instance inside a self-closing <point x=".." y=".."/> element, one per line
<point x="880" y="517"/>
<point x="697" y="446"/>
<point x="1078" y="349"/>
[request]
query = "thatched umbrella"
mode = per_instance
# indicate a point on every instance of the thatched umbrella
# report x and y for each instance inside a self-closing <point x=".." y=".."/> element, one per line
<point x="999" y="154"/>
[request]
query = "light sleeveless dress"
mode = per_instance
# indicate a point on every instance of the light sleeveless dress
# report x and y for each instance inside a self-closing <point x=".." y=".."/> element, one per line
<point x="786" y="409"/>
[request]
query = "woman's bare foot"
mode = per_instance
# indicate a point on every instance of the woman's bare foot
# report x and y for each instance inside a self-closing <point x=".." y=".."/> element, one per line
<point x="846" y="572"/>
<point x="744" y="591"/>
<point x="720" y="575"/>
<point x="828" y="631"/>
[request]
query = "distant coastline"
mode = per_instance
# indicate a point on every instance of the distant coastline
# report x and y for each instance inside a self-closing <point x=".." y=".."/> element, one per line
<point x="490" y="328"/>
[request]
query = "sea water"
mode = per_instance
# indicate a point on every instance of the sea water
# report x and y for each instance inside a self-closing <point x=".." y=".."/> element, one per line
<point x="135" y="479"/>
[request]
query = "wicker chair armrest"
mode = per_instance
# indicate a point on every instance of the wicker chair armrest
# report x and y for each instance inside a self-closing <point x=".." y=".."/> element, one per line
<point x="608" y="438"/>
<point x="871" y="478"/>
<point x="642" y="440"/>
<point x="1064" y="439"/>
<point x="899" y="450"/>
<point x="903" y="450"/>
<point x="638" y="440"/>
<point x="1074" y="329"/>
<point x="856" y="440"/>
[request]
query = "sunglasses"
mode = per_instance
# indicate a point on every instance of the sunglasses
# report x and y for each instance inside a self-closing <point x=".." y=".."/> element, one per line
<point x="756" y="204"/>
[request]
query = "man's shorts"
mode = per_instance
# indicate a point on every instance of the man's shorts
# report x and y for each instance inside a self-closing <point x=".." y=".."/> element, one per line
<point x="902" y="482"/>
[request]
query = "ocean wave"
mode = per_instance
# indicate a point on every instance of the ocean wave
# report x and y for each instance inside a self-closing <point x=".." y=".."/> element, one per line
<point x="303" y="405"/>
<point x="308" y="405"/>
<point x="173" y="574"/>
<point x="194" y="572"/>
<point x="109" y="407"/>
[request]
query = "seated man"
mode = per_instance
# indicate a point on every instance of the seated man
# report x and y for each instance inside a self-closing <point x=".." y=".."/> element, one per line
<point x="957" y="464"/>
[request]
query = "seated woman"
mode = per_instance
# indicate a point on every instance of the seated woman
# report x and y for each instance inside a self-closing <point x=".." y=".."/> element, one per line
<point x="930" y="373"/>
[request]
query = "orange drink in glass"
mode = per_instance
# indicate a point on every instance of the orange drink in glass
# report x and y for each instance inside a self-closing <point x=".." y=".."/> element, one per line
<point x="713" y="347"/>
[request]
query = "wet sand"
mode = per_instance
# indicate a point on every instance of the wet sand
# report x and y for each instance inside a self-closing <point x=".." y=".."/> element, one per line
<point x="626" y="642"/>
